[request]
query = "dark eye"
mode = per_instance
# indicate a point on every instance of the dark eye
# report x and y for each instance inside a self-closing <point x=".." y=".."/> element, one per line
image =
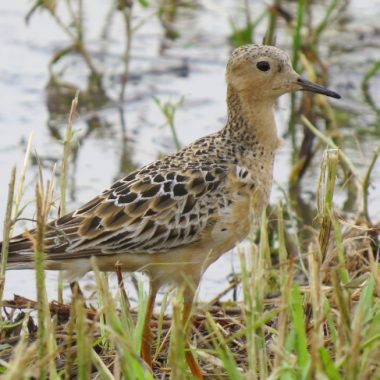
<point x="263" y="65"/>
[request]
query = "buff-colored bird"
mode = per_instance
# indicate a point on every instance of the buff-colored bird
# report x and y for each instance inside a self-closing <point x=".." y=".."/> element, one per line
<point x="174" y="217"/>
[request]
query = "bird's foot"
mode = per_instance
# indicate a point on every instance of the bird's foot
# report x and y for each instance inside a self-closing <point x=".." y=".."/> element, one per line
<point x="193" y="365"/>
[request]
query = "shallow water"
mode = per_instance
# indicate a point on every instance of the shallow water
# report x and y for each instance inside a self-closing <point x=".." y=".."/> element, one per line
<point x="192" y="67"/>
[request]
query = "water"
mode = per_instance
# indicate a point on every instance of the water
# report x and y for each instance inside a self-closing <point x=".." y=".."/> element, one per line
<point x="193" y="67"/>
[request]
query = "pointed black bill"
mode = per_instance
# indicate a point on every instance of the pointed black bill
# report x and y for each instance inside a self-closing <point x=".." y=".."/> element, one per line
<point x="313" y="87"/>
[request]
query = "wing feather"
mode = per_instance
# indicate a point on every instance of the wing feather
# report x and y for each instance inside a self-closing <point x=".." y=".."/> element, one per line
<point x="152" y="211"/>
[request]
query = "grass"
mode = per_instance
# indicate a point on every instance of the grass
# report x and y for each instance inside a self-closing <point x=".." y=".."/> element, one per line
<point x="7" y="232"/>
<point x="309" y="305"/>
<point x="168" y="110"/>
<point x="323" y="322"/>
<point x="373" y="70"/>
<point x="67" y="141"/>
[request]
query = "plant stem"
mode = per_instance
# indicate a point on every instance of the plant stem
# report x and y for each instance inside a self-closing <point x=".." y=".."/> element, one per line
<point x="6" y="233"/>
<point x="127" y="15"/>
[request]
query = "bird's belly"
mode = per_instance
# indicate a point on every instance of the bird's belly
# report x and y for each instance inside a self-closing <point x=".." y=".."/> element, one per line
<point x="236" y="221"/>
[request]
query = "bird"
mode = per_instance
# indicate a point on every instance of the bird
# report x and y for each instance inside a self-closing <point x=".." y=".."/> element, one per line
<point x="173" y="218"/>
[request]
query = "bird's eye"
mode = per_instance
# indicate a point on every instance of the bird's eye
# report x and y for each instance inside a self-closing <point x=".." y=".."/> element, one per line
<point x="263" y="65"/>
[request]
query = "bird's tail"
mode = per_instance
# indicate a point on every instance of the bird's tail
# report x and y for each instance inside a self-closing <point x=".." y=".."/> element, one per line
<point x="21" y="256"/>
<point x="20" y="253"/>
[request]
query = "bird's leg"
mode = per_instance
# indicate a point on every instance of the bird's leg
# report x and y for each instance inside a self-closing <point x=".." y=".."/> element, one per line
<point x="146" y="344"/>
<point x="120" y="282"/>
<point x="188" y="297"/>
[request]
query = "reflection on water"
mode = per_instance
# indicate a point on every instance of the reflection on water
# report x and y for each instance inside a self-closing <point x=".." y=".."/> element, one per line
<point x="113" y="137"/>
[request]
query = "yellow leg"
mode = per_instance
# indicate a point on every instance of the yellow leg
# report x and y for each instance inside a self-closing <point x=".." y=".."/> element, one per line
<point x="186" y="320"/>
<point x="147" y="336"/>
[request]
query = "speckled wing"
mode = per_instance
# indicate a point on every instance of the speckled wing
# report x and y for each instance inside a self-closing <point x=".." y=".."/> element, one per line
<point x="148" y="211"/>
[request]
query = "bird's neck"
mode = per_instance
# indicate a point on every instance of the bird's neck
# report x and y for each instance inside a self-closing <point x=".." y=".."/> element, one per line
<point x="251" y="121"/>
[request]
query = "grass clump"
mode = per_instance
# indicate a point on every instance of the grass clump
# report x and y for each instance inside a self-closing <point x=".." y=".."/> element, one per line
<point x="309" y="305"/>
<point x="309" y="308"/>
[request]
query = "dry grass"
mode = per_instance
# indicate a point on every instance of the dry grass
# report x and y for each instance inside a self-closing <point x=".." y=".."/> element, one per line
<point x="309" y="305"/>
<point x="291" y="323"/>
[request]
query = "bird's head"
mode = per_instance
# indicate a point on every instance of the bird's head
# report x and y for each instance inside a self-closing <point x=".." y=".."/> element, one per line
<point x="265" y="72"/>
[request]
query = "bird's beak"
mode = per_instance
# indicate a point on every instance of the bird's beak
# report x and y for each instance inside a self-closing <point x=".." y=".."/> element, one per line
<point x="313" y="87"/>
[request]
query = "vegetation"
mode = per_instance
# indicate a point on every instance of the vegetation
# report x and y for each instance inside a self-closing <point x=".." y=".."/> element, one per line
<point x="309" y="284"/>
